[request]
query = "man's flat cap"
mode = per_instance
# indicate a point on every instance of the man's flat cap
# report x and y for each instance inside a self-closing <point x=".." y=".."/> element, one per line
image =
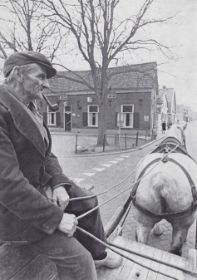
<point x="24" y="58"/>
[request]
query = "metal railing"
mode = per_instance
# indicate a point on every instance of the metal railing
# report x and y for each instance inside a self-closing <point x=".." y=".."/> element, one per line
<point x="111" y="142"/>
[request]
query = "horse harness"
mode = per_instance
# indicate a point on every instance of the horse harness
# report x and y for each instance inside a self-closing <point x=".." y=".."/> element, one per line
<point x="169" y="144"/>
<point x="165" y="215"/>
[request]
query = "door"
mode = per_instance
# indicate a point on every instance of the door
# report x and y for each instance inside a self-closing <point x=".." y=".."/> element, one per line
<point x="93" y="115"/>
<point x="67" y="121"/>
<point x="127" y="115"/>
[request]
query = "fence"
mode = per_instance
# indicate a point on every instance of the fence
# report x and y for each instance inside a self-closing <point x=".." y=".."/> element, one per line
<point x="111" y="142"/>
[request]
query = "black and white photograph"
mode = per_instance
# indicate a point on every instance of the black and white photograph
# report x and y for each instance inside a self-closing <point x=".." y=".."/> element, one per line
<point x="98" y="149"/>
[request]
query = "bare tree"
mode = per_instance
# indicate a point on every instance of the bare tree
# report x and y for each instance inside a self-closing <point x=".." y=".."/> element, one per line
<point x="23" y="28"/>
<point x="101" y="39"/>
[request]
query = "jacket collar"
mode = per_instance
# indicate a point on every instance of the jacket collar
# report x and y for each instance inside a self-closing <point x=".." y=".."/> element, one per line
<point x="22" y="120"/>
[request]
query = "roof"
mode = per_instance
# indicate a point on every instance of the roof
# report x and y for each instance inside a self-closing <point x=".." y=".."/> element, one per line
<point x="138" y="76"/>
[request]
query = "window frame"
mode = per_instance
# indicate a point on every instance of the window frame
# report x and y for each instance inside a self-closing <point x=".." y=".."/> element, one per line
<point x="91" y="113"/>
<point x="49" y="117"/>
<point x="125" y="114"/>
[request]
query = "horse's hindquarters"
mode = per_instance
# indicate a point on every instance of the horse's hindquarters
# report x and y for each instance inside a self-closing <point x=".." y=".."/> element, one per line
<point x="165" y="188"/>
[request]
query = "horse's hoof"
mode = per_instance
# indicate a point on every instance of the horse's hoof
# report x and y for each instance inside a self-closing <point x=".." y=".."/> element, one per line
<point x="177" y="252"/>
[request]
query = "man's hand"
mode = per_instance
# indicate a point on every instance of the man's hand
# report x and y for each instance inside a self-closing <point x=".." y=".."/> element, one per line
<point x="68" y="224"/>
<point x="61" y="197"/>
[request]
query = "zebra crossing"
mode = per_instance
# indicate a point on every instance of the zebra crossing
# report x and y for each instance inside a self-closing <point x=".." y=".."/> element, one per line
<point x="102" y="167"/>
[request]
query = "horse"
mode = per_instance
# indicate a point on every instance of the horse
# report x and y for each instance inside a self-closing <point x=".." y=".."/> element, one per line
<point x="165" y="189"/>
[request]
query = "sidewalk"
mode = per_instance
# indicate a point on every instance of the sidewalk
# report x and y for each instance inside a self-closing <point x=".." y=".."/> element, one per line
<point x="160" y="134"/>
<point x="85" y="142"/>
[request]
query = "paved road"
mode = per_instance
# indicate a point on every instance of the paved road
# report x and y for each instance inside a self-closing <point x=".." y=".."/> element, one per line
<point x="111" y="170"/>
<point x="102" y="172"/>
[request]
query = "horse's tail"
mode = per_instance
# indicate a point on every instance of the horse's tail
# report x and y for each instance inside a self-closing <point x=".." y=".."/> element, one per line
<point x="161" y="184"/>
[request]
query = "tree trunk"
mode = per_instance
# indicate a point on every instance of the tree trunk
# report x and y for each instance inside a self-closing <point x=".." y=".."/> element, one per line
<point x="102" y="126"/>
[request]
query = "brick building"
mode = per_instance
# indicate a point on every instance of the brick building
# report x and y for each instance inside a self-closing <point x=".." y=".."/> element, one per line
<point x="131" y="99"/>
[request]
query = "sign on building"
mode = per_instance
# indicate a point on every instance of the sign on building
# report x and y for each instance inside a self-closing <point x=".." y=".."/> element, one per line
<point x="112" y="96"/>
<point x="146" y="118"/>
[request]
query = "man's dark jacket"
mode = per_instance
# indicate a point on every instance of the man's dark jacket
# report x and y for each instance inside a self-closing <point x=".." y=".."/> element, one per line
<point x="26" y="165"/>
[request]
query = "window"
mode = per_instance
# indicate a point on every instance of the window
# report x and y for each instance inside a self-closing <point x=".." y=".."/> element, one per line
<point x="93" y="115"/>
<point x="51" y="117"/>
<point x="67" y="109"/>
<point x="127" y="116"/>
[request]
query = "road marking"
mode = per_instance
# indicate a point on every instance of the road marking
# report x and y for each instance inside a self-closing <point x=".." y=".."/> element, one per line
<point x="124" y="156"/>
<point x="106" y="165"/>
<point x="77" y="180"/>
<point x="119" y="159"/>
<point x="113" y="161"/>
<point x="89" y="174"/>
<point x="98" y="169"/>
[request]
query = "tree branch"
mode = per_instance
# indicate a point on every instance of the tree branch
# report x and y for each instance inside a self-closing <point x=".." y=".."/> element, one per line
<point x="134" y="29"/>
<point x="3" y="52"/>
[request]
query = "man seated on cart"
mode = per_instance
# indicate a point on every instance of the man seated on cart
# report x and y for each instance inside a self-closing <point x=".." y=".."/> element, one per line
<point x="29" y="170"/>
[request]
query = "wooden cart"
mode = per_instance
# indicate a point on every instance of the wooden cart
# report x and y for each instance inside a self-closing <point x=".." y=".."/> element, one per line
<point x="20" y="264"/>
<point x="152" y="265"/>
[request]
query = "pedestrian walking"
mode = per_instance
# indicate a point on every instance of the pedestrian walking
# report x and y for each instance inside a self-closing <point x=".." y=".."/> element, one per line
<point x="163" y="125"/>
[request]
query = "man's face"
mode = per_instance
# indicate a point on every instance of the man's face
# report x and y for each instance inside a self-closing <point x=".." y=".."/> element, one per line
<point x="34" y="82"/>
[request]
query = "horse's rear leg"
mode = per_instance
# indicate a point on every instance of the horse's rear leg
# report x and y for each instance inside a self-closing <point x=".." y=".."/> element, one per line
<point x="179" y="236"/>
<point x="142" y="233"/>
<point x="144" y="225"/>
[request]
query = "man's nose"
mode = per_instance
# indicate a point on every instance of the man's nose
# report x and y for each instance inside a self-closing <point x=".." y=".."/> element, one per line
<point x="45" y="83"/>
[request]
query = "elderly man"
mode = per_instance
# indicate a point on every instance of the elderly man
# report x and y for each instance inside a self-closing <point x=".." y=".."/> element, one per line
<point x="28" y="168"/>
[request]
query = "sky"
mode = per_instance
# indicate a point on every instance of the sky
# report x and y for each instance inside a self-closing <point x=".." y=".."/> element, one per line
<point x="179" y="34"/>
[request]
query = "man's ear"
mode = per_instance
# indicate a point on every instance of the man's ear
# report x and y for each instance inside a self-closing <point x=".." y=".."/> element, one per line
<point x="17" y="73"/>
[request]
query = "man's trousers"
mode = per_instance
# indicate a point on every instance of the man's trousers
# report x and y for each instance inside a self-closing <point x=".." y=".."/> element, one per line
<point x="74" y="256"/>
